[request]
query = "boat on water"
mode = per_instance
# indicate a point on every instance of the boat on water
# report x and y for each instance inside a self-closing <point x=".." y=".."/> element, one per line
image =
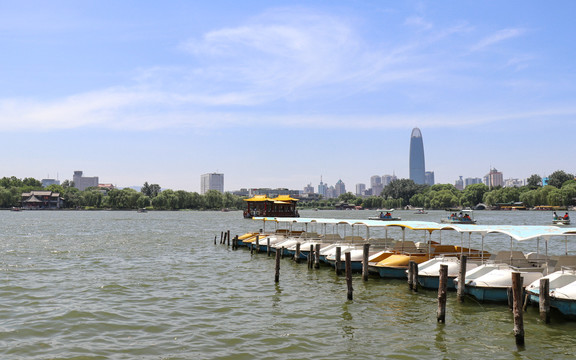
<point x="385" y="215"/>
<point x="421" y="212"/>
<point x="263" y="206"/>
<point x="14" y="208"/>
<point x="462" y="217"/>
<point x="561" y="220"/>
<point x="562" y="288"/>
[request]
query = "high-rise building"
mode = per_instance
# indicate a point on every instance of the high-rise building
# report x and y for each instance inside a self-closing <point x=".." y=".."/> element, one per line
<point x="340" y="188"/>
<point x="322" y="188"/>
<point x="417" y="165"/>
<point x="83" y="182"/>
<point x="459" y="184"/>
<point x="387" y="179"/>
<point x="494" y="178"/>
<point x="472" y="181"/>
<point x="309" y="189"/>
<point x="375" y="180"/>
<point x="211" y="181"/>
<point x="48" y="182"/>
<point x="360" y="189"/>
<point x="429" y="178"/>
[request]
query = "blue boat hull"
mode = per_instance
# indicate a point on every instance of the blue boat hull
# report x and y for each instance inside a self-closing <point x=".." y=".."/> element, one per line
<point x="488" y="294"/>
<point x="392" y="272"/>
<point x="433" y="282"/>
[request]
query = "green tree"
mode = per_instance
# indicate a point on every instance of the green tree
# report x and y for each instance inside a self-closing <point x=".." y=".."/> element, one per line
<point x="559" y="177"/>
<point x="534" y="181"/>
<point x="473" y="194"/>
<point x="402" y="189"/>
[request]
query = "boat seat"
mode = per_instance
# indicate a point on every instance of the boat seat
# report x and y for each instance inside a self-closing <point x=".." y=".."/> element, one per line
<point x="385" y="242"/>
<point x="566" y="261"/>
<point x="445" y="249"/>
<point x="310" y="235"/>
<point x="406" y="247"/>
<point x="353" y="239"/>
<point x="514" y="258"/>
<point x="334" y="237"/>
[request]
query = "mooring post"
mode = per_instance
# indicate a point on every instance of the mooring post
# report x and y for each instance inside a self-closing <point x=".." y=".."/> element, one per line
<point x="277" y="267"/>
<point x="410" y="275"/>
<point x="442" y="287"/>
<point x="297" y="254"/>
<point x="317" y="257"/>
<point x="415" y="276"/>
<point x="228" y="238"/>
<point x="235" y="243"/>
<point x="338" y="262"/>
<point x="311" y="256"/>
<point x="215" y="239"/>
<point x="268" y="245"/>
<point x="365" y="255"/>
<point x="221" y="236"/>
<point x="349" y="274"/>
<point x="544" y="300"/>
<point x="517" y="308"/>
<point x="461" y="278"/>
<point x="257" y="244"/>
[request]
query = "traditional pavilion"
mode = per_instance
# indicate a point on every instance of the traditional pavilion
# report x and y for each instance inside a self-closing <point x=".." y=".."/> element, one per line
<point x="41" y="200"/>
<point x="262" y="205"/>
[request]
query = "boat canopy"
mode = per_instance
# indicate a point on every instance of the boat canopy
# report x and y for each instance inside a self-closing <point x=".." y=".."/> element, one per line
<point x="517" y="232"/>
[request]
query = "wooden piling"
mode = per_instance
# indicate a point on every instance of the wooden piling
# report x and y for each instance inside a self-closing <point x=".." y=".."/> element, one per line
<point x="461" y="278"/>
<point x="349" y="274"/>
<point x="544" y="300"/>
<point x="442" y="291"/>
<point x="311" y="257"/>
<point x="277" y="267"/>
<point x="415" y="277"/>
<point x="517" y="308"/>
<point x="410" y="275"/>
<point x="228" y="238"/>
<point x="215" y="239"/>
<point x="257" y="244"/>
<point x="235" y="243"/>
<point x="268" y="246"/>
<point x="338" y="262"/>
<point x="365" y="255"/>
<point x="297" y="254"/>
<point x="317" y="257"/>
<point x="221" y="236"/>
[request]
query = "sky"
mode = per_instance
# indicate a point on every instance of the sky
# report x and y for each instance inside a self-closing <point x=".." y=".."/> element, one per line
<point x="281" y="93"/>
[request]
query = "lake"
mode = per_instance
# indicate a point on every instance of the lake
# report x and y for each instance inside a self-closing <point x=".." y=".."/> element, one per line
<point x="128" y="285"/>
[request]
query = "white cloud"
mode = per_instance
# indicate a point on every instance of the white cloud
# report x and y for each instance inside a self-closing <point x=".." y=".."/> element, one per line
<point x="498" y="37"/>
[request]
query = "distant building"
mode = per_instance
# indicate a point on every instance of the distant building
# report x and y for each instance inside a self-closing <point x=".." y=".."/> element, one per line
<point x="331" y="193"/>
<point x="41" y="200"/>
<point x="340" y="188"/>
<point x="377" y="189"/>
<point x="494" y="178"/>
<point x="429" y="178"/>
<point x="472" y="181"/>
<point x="514" y="183"/>
<point x="211" y="181"/>
<point x="387" y="179"/>
<point x="360" y="189"/>
<point x="107" y="186"/>
<point x="417" y="164"/>
<point x="273" y="192"/>
<point x="322" y="188"/>
<point x="309" y="189"/>
<point x="375" y="181"/>
<point x="48" y="182"/>
<point x="459" y="184"/>
<point x="83" y="182"/>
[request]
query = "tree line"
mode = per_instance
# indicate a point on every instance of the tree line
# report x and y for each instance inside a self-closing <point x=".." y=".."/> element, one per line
<point x="560" y="191"/>
<point x="150" y="196"/>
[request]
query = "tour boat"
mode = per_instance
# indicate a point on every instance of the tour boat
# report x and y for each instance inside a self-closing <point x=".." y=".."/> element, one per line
<point x="462" y="217"/>
<point x="385" y="215"/>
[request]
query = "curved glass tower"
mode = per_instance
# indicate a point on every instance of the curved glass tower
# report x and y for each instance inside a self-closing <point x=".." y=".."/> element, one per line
<point x="417" y="166"/>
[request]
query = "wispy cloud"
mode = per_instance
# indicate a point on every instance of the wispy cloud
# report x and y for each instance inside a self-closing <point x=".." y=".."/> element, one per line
<point x="498" y="37"/>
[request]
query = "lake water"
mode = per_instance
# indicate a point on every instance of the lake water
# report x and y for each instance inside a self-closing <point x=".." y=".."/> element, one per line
<point x="128" y="285"/>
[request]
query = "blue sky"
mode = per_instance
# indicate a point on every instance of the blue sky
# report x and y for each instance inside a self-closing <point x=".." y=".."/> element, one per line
<point x="276" y="94"/>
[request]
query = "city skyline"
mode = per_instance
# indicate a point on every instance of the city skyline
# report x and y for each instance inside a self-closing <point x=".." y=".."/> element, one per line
<point x="274" y="96"/>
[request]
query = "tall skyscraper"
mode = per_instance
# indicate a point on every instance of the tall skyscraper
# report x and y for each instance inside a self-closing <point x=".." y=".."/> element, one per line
<point x="340" y="188"/>
<point x="360" y="189"/>
<point x="417" y="165"/>
<point x="322" y="188"/>
<point x="429" y="178"/>
<point x="212" y="181"/>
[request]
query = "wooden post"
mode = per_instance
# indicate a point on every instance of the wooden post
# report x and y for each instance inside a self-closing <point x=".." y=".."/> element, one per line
<point x="228" y="238"/>
<point x="410" y="275"/>
<point x="221" y="236"/>
<point x="338" y="262"/>
<point x="281" y="252"/>
<point x="517" y="308"/>
<point x="442" y="287"/>
<point x="349" y="275"/>
<point x="235" y="243"/>
<point x="257" y="244"/>
<point x="365" y="255"/>
<point x="317" y="257"/>
<point x="311" y="256"/>
<point x="544" y="300"/>
<point x="277" y="267"/>
<point x="297" y="254"/>
<point x="415" y="277"/>
<point x="215" y="239"/>
<point x="268" y="245"/>
<point x="461" y="278"/>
